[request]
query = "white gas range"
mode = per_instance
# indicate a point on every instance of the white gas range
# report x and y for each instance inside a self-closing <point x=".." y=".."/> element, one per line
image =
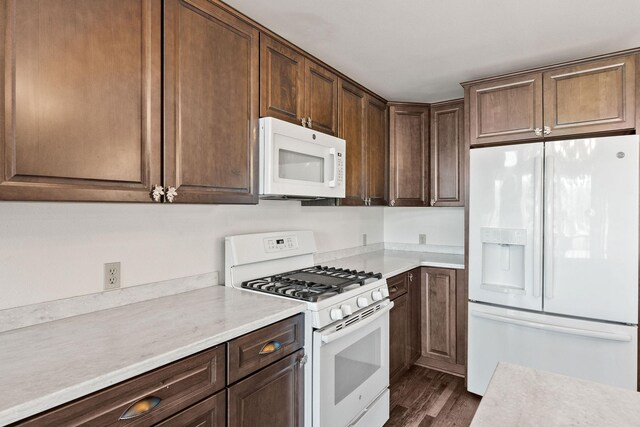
<point x="347" y="323"/>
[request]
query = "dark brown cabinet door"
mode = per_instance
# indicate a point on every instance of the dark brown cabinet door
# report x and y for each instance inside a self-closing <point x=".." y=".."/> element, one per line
<point x="211" y="412"/>
<point x="398" y="337"/>
<point x="81" y="99"/>
<point x="211" y="104"/>
<point x="508" y="110"/>
<point x="282" y="72"/>
<point x="447" y="154"/>
<point x="351" y="128"/>
<point x="414" y="294"/>
<point x="273" y="396"/>
<point x="409" y="155"/>
<point x="439" y="315"/>
<point x="592" y="97"/>
<point x="376" y="131"/>
<point x="321" y="98"/>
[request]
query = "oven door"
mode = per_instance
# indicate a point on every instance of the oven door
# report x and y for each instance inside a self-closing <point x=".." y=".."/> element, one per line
<point x="350" y="367"/>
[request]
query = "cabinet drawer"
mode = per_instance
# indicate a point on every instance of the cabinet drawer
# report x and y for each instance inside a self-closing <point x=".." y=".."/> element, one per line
<point x="258" y="349"/>
<point x="177" y="385"/>
<point x="211" y="412"/>
<point x="397" y="286"/>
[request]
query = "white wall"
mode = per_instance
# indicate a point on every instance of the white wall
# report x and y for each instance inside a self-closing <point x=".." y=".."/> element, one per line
<point x="50" y="251"/>
<point x="443" y="226"/>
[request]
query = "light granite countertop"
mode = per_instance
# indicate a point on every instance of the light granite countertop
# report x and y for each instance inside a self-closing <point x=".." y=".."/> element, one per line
<point x="46" y="365"/>
<point x="522" y="397"/>
<point x="393" y="262"/>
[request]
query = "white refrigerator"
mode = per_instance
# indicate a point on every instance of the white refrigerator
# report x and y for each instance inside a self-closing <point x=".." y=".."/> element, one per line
<point x="553" y="259"/>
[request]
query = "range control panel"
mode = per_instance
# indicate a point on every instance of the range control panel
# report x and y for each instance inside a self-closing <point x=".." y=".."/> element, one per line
<point x="280" y="243"/>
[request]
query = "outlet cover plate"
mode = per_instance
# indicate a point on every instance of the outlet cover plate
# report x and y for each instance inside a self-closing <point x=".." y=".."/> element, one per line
<point x="111" y="275"/>
<point x="422" y="239"/>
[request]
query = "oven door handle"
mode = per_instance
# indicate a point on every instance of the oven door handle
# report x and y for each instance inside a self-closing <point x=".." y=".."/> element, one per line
<point x="357" y="326"/>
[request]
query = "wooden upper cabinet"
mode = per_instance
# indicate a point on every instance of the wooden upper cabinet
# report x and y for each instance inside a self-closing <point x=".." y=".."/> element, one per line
<point x="377" y="147"/>
<point x="81" y="100"/>
<point x="321" y="98"/>
<point x="211" y="104"/>
<point x="447" y="154"/>
<point x="282" y="74"/>
<point x="295" y="88"/>
<point x="409" y="154"/>
<point x="351" y="127"/>
<point x="439" y="314"/>
<point x="506" y="110"/>
<point x="592" y="97"/>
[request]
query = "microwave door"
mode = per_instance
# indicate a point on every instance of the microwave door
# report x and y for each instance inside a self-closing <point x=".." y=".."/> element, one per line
<point x="302" y="168"/>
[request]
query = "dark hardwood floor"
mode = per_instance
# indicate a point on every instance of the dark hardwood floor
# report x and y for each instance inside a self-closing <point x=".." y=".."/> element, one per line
<point x="427" y="398"/>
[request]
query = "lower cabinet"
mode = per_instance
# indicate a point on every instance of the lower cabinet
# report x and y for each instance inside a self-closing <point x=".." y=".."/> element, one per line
<point x="273" y="396"/>
<point x="427" y="324"/>
<point x="398" y="337"/>
<point x="443" y="315"/>
<point x="211" y="412"/>
<point x="199" y="390"/>
<point x="404" y="322"/>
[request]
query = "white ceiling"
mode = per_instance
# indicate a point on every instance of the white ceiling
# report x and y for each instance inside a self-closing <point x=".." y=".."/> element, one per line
<point x="419" y="50"/>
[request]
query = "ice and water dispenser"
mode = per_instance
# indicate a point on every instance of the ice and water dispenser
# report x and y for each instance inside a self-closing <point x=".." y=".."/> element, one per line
<point x="503" y="259"/>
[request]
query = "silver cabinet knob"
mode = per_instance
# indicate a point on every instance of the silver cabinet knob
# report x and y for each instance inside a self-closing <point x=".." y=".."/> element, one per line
<point x="538" y="131"/>
<point x="547" y="130"/>
<point x="309" y="122"/>
<point x="411" y="277"/>
<point x="157" y="193"/>
<point x="433" y="201"/>
<point x="392" y="202"/>
<point x="304" y="122"/>
<point x="171" y="194"/>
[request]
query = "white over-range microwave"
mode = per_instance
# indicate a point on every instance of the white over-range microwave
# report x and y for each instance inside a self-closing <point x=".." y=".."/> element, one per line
<point x="300" y="163"/>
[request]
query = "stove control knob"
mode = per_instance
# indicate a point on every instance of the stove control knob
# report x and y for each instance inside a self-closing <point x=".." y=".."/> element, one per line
<point x="346" y="310"/>
<point x="385" y="292"/>
<point x="335" y="314"/>
<point x="362" y="302"/>
<point x="376" y="295"/>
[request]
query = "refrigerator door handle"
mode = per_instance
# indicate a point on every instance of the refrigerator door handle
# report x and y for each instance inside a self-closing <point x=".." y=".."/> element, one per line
<point x="611" y="336"/>
<point x="548" y="224"/>
<point x="537" y="227"/>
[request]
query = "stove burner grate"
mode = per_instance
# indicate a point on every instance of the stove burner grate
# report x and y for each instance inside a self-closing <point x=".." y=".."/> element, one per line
<point x="312" y="283"/>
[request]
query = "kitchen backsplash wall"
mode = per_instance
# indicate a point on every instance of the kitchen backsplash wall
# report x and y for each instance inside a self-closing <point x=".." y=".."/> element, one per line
<point x="442" y="226"/>
<point x="50" y="251"/>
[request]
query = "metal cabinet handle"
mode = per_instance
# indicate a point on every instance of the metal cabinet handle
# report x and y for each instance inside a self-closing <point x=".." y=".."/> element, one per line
<point x="547" y="130"/>
<point x="304" y="122"/>
<point x="411" y="277"/>
<point x="171" y="194"/>
<point x="392" y="202"/>
<point x="140" y="408"/>
<point x="433" y="201"/>
<point x="157" y="193"/>
<point x="270" y="347"/>
<point x="302" y="360"/>
<point x="309" y="122"/>
<point x="538" y="131"/>
<point x="393" y="289"/>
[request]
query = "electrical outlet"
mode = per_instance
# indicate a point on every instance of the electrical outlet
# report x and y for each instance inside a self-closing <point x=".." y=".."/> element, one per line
<point x="422" y="239"/>
<point x="111" y="275"/>
<point x="364" y="239"/>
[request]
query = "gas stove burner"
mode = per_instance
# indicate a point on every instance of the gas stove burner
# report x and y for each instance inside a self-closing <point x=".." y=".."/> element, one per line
<point x="312" y="283"/>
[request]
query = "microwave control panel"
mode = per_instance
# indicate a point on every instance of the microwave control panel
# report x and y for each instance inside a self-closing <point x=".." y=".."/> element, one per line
<point x="340" y="171"/>
<point x="283" y="243"/>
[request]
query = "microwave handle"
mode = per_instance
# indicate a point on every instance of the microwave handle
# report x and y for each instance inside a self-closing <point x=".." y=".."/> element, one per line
<point x="332" y="152"/>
